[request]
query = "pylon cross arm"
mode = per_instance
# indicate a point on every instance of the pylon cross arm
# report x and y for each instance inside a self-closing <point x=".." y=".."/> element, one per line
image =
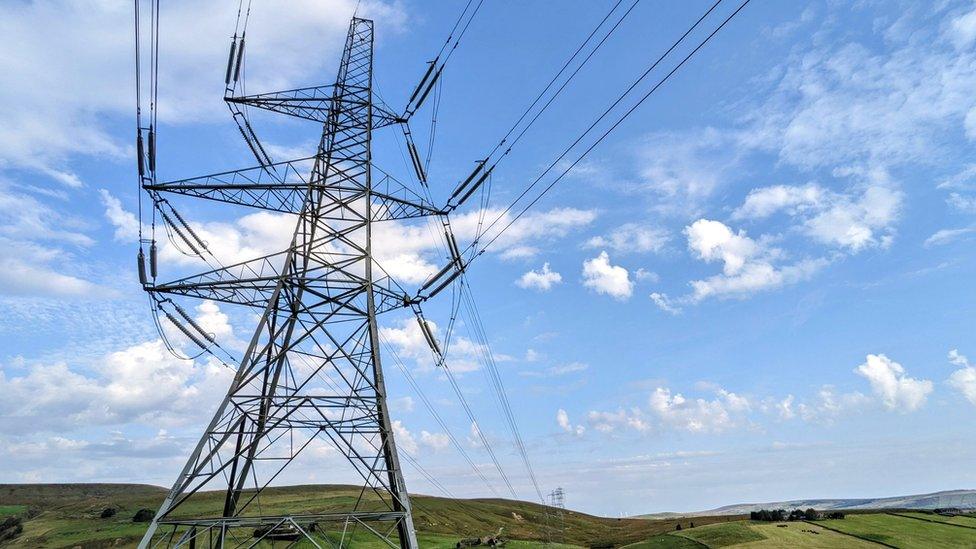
<point x="284" y="186"/>
<point x="314" y="103"/>
<point x="252" y="283"/>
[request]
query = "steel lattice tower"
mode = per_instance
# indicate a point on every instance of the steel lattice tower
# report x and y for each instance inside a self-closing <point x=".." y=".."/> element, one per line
<point x="311" y="375"/>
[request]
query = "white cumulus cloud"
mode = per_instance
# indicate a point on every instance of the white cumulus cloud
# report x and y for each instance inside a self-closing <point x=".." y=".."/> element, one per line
<point x="406" y="337"/>
<point x="698" y="415"/>
<point x="89" y="45"/>
<point x="434" y="441"/>
<point x="963" y="379"/>
<point x="829" y="405"/>
<point x="853" y="220"/>
<point x="748" y="265"/>
<point x="667" y="410"/>
<point x="140" y="383"/>
<point x="603" y="278"/>
<point x="765" y="201"/>
<point x="562" y="419"/>
<point x="889" y="381"/>
<point x="404" y="438"/>
<point x="543" y="279"/>
<point x="126" y="224"/>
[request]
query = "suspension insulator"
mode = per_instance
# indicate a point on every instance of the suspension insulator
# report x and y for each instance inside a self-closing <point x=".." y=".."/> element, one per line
<point x="429" y="88"/>
<point x="418" y="166"/>
<point x="474" y="187"/>
<point x="256" y="147"/>
<point x="247" y="140"/>
<point x="189" y="229"/>
<point x="185" y="331"/>
<point x="152" y="150"/>
<point x="430" y="281"/>
<point x="429" y="335"/>
<point x="193" y="323"/>
<point x="447" y="281"/>
<point x="250" y="138"/>
<point x="240" y="59"/>
<point x="452" y="244"/>
<point x="152" y="260"/>
<point x="430" y="70"/>
<point x="177" y="230"/>
<point x="141" y="154"/>
<point x="141" y="258"/>
<point x="230" y="61"/>
<point x="460" y="188"/>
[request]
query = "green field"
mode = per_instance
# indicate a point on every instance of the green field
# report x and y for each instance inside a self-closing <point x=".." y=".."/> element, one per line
<point x="666" y="541"/>
<point x="902" y="530"/>
<point x="68" y="515"/>
<point x="723" y="535"/>
<point x="906" y="532"/>
<point x="6" y="510"/>
<point x="802" y="534"/>
<point x="968" y="521"/>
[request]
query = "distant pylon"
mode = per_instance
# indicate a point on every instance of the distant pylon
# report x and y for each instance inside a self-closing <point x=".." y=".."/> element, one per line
<point x="557" y="499"/>
<point x="311" y="375"/>
<point x="556" y="510"/>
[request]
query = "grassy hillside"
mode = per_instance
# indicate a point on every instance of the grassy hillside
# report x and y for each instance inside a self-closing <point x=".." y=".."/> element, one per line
<point x="67" y="515"/>
<point x="909" y="533"/>
<point x="862" y="530"/>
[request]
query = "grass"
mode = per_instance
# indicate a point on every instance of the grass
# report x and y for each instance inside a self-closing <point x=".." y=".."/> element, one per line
<point x="69" y="516"/>
<point x="802" y="535"/>
<point x="722" y="535"/>
<point x="666" y="541"/>
<point x="903" y="532"/>
<point x="968" y="521"/>
<point x="47" y="530"/>
<point x="7" y="510"/>
<point x="868" y="530"/>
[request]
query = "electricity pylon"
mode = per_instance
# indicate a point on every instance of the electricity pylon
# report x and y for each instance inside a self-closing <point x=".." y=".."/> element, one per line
<point x="310" y="379"/>
<point x="556" y="510"/>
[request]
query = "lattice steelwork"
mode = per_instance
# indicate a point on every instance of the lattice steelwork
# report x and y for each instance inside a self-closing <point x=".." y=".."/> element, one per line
<point x="311" y="379"/>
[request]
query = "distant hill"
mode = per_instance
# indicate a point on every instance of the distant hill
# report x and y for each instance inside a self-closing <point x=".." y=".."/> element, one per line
<point x="963" y="499"/>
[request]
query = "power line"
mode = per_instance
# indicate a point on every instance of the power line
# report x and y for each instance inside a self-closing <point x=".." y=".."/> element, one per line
<point x="484" y="349"/>
<point x="437" y="417"/>
<point x="413" y="461"/>
<point x="482" y="166"/>
<point x="456" y="24"/>
<point x="430" y="478"/>
<point x="436" y="67"/>
<point x="439" y="355"/>
<point x="138" y="63"/>
<point x="559" y="73"/>
<point x="606" y="112"/>
<point x="491" y="369"/>
<point x="476" y="321"/>
<point x="475" y="426"/>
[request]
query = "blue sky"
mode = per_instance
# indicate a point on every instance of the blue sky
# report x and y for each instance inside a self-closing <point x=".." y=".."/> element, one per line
<point x="756" y="289"/>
